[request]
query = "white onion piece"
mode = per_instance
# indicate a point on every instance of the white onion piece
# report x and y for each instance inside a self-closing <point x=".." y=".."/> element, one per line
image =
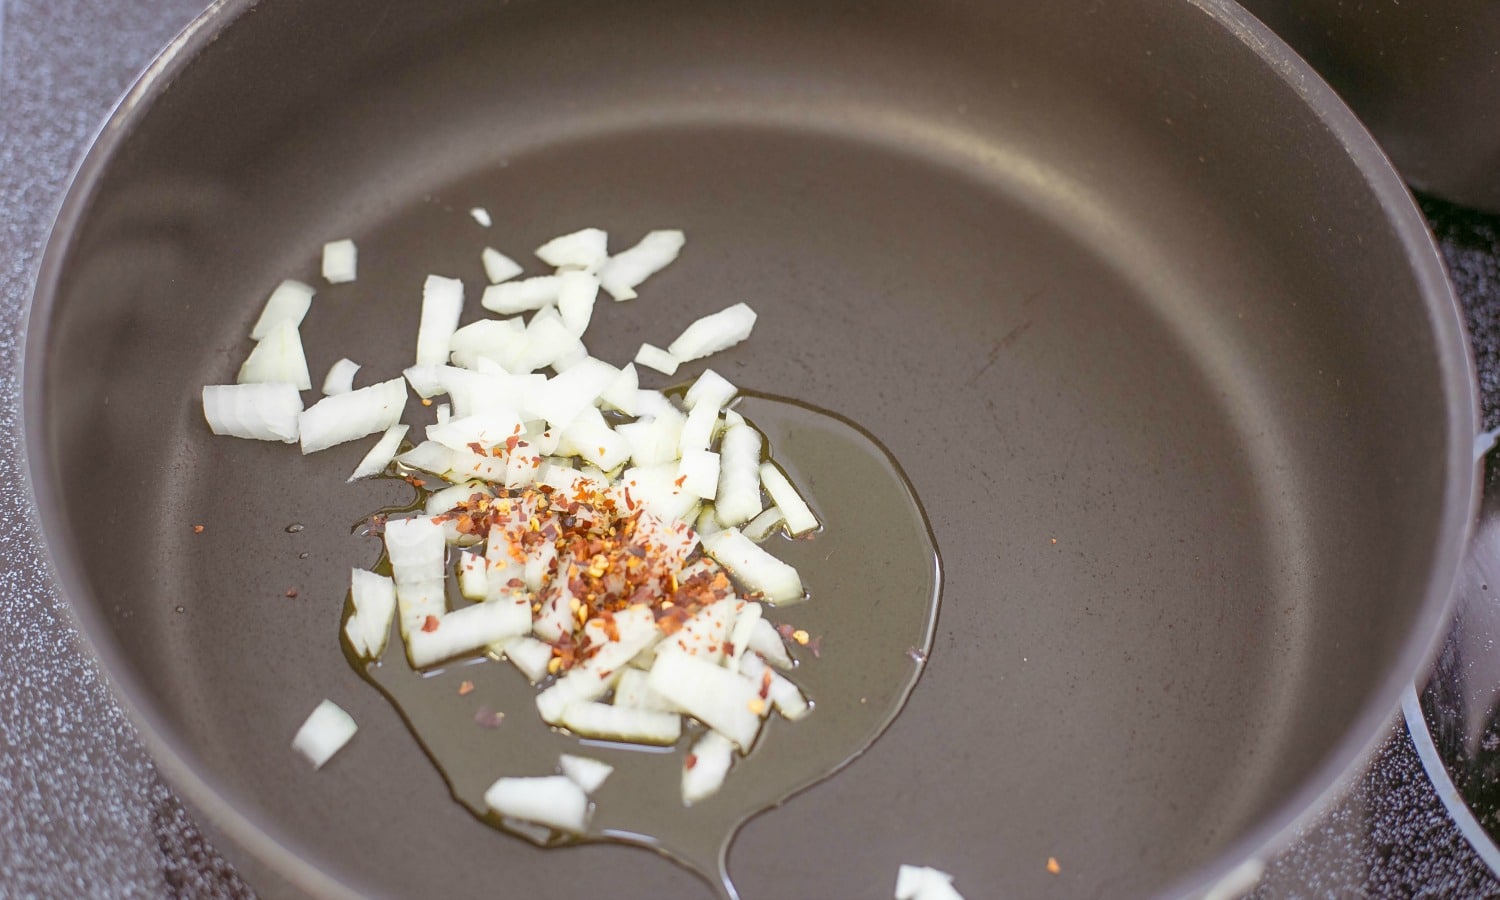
<point x="712" y="333"/>
<point x="557" y="474"/>
<point x="766" y="640"/>
<point x="429" y="456"/>
<point x="655" y="404"/>
<point x="529" y="655"/>
<point x="468" y="464"/>
<point x="324" y="733"/>
<point x="710" y="388"/>
<point x="288" y="303"/>
<point x="473" y="582"/>
<point x="785" y="696"/>
<point x="444" y="412"/>
<point x="621" y="394"/>
<point x="732" y="418"/>
<point x="704" y="633"/>
<point x="548" y="343"/>
<point x="707" y="521"/>
<point x="486" y="429"/>
<point x="710" y="758"/>
<point x="553" y="800"/>
<point x="625" y="271"/>
<point x="468" y="629"/>
<point x="576" y="293"/>
<point x="698" y="429"/>
<point x="553" y="620"/>
<point x="439" y="502"/>
<point x="521" y="466"/>
<point x="497" y="266"/>
<point x="474" y="393"/>
<point x="621" y="723"/>
<point x="277" y="358"/>
<point x="588" y="774"/>
<point x="699" y="471"/>
<point x="738" y="500"/>
<point x="442" y="304"/>
<point x="561" y="398"/>
<point x="541" y="560"/>
<point x="354" y="633"/>
<point x="340" y="377"/>
<point x="632" y="691"/>
<point x="340" y="261"/>
<point x="653" y="357"/>
<point x="758" y="571"/>
<point x="593" y="678"/>
<point x="723" y="700"/>
<point x="262" y="412"/>
<point x="416" y="549"/>
<point x="587" y="249"/>
<point x="482" y="216"/>
<point x="348" y="417"/>
<point x="924" y="883"/>
<point x="653" y="441"/>
<point x="655" y="488"/>
<point x="542" y="439"/>
<point x="495" y="339"/>
<point x="374" y="599"/>
<point x="799" y="516"/>
<point x="760" y="527"/>
<point x="745" y="617"/>
<point x="511" y="297"/>
<point x="425" y="380"/>
<point x="590" y="438"/>
<point x="381" y="454"/>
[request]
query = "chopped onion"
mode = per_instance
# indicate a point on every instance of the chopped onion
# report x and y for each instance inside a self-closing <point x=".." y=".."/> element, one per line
<point x="552" y="800"/>
<point x="288" y="303"/>
<point x="713" y="333"/>
<point x="472" y="570"/>
<point x="439" y="502"/>
<point x="711" y="389"/>
<point x="347" y="417"/>
<point x="468" y="464"/>
<point x="655" y="488"/>
<point x="765" y="640"/>
<point x="262" y="412"/>
<point x="590" y="438"/>
<point x="485" y="429"/>
<point x="785" y="696"/>
<point x="704" y="633"/>
<point x="324" y="733"/>
<point x="497" y="266"/>
<point x="760" y="527"/>
<point x="593" y="678"/>
<point x="587" y="249"/>
<point x="340" y="378"/>
<point x="466" y="630"/>
<point x="653" y="441"/>
<point x="562" y="398"/>
<point x="758" y="571"/>
<point x="340" y="261"/>
<point x="721" y="699"/>
<point x="381" y="454"/>
<point x="653" y="357"/>
<point x="374" y="599"/>
<point x="482" y="216"/>
<point x="923" y="883"/>
<point x="277" y="358"/>
<point x="627" y="269"/>
<point x="548" y="343"/>
<point x="621" y="723"/>
<point x="495" y="339"/>
<point x="487" y="392"/>
<point x="745" y="619"/>
<point x="738" y="499"/>
<point x="511" y="297"/>
<point x="699" y="471"/>
<point x="799" y="516"/>
<point x="442" y="304"/>
<point x="529" y="655"/>
<point x="576" y="293"/>
<point x="631" y="690"/>
<point x="622" y="392"/>
<point x="705" y="767"/>
<point x="588" y="774"/>
<point x="698" y="430"/>
<point x="429" y="456"/>
<point x="416" y="549"/>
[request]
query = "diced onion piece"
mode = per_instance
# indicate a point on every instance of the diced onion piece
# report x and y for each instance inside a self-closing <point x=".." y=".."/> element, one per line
<point x="511" y="297"/>
<point x="497" y="266"/>
<point x="485" y="429"/>
<point x="708" y="521"/>
<point x="425" y="380"/>
<point x="799" y="516"/>
<point x="758" y="571"/>
<point x="552" y="800"/>
<point x="785" y="696"/>
<point x="655" y="488"/>
<point x="340" y="377"/>
<point x="698" y="429"/>
<point x="439" y="502"/>
<point x="340" y="261"/>
<point x="653" y="357"/>
<point x="277" y="358"/>
<point x="738" y="499"/>
<point x="704" y="633"/>
<point x="381" y="454"/>
<point x="723" y="700"/>
<point x="745" y="620"/>
<point x="760" y="527"/>
<point x="576" y="293"/>
<point x="732" y="418"/>
<point x="625" y="271"/>
<point x="262" y="412"/>
<point x="705" y="767"/>
<point x="496" y="339"/>
<point x="765" y="640"/>
<point x="442" y="304"/>
<point x="419" y="601"/>
<point x="468" y="629"/>
<point x="923" y="883"/>
<point x="699" y="471"/>
<point x="540" y="562"/>
<point x="529" y="655"/>
<point x="474" y="393"/>
<point x="560" y="399"/>
<point x="482" y="216"/>
<point x="587" y="249"/>
<point x="348" y="417"/>
<point x="354" y="632"/>
<point x="416" y="549"/>
<point x="468" y="464"/>
<point x="654" y="441"/>
<point x="374" y="599"/>
<point x="712" y="333"/>
<point x="324" y="733"/>
<point x="632" y="691"/>
<point x="711" y="389"/>
<point x="548" y="343"/>
<point x="429" y="456"/>
<point x="444" y="413"/>
<point x="472" y="571"/>
<point x="621" y="723"/>
<point x="593" y="678"/>
<point x="621" y="394"/>
<point x="288" y="303"/>
<point x="590" y="438"/>
<point x="588" y="774"/>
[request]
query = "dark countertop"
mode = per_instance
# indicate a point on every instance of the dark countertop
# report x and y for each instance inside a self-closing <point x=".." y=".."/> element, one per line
<point x="83" y="812"/>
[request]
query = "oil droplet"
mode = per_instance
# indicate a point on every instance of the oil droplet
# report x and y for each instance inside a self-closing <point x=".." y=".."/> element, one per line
<point x="303" y="555"/>
<point x="180" y="609"/>
<point x="294" y="528"/>
<point x="857" y="685"/>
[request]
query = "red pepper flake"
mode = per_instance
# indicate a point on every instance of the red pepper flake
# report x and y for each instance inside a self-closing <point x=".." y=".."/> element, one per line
<point x="476" y="447"/>
<point x="692" y="760"/>
<point x="601" y="451"/>
<point x="430" y="623"/>
<point x="197" y="529"/>
<point x="291" y="593"/>
<point x="1052" y="864"/>
<point x="679" y="480"/>
<point x="485" y="717"/>
<point x="465" y="687"/>
<point x="765" y="684"/>
<point x="511" y="442"/>
<point x="426" y="401"/>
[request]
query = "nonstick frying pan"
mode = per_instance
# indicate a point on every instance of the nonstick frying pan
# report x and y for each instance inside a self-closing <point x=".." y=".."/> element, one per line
<point x="1155" y="331"/>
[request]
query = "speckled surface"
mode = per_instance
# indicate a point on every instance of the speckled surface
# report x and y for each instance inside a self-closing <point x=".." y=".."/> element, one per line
<point x="82" y="810"/>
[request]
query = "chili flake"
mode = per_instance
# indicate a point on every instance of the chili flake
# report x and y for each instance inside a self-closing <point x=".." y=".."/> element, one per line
<point x="465" y="688"/>
<point x="430" y="623"/>
<point x="1052" y="865"/>
<point x="197" y="529"/>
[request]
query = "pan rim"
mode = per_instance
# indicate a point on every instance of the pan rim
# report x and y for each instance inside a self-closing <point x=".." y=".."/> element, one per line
<point x="1459" y="506"/>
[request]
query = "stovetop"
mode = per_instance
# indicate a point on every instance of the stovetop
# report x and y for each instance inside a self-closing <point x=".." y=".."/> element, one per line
<point x="83" y="811"/>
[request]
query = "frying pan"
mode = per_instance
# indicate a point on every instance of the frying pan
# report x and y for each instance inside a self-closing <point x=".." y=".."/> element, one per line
<point x="1150" y="323"/>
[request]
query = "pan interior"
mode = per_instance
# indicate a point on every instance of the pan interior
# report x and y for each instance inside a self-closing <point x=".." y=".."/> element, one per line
<point x="1180" y="441"/>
